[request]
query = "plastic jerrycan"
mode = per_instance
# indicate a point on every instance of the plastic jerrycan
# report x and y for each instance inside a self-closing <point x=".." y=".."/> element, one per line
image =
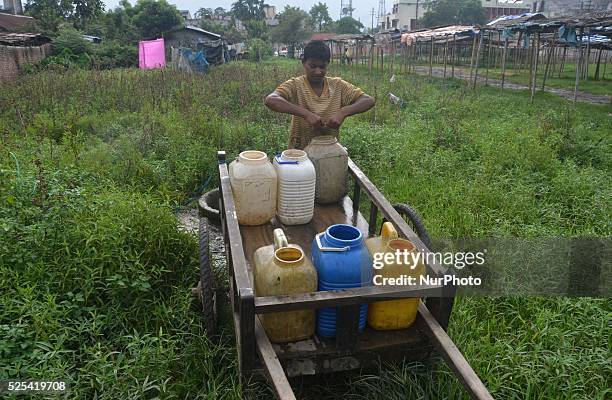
<point x="254" y="182"/>
<point x="330" y="160"/>
<point x="282" y="269"/>
<point x="342" y="261"/>
<point x="296" y="187"/>
<point x="393" y="314"/>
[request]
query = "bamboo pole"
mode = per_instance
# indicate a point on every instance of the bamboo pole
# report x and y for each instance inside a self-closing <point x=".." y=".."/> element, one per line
<point x="481" y="39"/>
<point x="472" y="57"/>
<point x="562" y="63"/>
<point x="504" y="64"/>
<point x="431" y="56"/>
<point x="598" y="63"/>
<point x="445" y="52"/>
<point x="488" y="58"/>
<point x="392" y="56"/>
<point x="453" y="56"/>
<point x="603" y="75"/>
<point x="550" y="53"/>
<point x="535" y="67"/>
<point x="588" y="57"/>
<point x="577" y="68"/>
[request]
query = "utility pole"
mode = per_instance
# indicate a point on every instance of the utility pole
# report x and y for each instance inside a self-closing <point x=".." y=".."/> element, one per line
<point x="417" y="15"/>
<point x="372" y="13"/>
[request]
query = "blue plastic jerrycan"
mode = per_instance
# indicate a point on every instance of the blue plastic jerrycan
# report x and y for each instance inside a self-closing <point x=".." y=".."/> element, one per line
<point x="342" y="262"/>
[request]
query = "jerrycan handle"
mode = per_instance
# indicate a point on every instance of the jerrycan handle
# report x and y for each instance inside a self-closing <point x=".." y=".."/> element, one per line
<point x="321" y="248"/>
<point x="388" y="232"/>
<point x="280" y="240"/>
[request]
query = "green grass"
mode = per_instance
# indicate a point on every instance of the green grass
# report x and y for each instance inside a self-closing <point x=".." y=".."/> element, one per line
<point x="565" y="80"/>
<point x="96" y="277"/>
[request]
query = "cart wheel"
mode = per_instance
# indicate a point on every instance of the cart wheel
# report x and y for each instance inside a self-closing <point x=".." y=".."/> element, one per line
<point x="414" y="221"/>
<point x="207" y="291"/>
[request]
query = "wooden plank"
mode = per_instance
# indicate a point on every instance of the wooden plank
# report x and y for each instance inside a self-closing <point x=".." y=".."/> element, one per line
<point x="244" y="287"/>
<point x="451" y="354"/>
<point x="273" y="367"/>
<point x="347" y="327"/>
<point x="233" y="229"/>
<point x="372" y="221"/>
<point x="390" y="214"/>
<point x="254" y="237"/>
<point x="247" y="329"/>
<point x="336" y="298"/>
<point x="442" y="304"/>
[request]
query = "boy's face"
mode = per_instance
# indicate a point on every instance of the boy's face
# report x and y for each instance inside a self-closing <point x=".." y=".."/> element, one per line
<point x="315" y="69"/>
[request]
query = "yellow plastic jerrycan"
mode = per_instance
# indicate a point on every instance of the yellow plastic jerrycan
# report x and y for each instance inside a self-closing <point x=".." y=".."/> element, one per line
<point x="393" y="314"/>
<point x="282" y="269"/>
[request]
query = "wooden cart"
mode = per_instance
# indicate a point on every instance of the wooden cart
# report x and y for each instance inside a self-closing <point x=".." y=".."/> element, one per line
<point x="350" y="349"/>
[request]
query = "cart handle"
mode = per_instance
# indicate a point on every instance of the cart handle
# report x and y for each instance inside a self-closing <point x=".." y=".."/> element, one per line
<point x="336" y="249"/>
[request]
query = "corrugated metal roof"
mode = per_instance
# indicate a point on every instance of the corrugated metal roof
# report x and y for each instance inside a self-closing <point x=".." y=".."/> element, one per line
<point x="23" y="39"/>
<point x="195" y="28"/>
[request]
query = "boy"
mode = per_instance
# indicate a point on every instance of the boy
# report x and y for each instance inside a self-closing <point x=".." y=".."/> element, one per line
<point x="317" y="103"/>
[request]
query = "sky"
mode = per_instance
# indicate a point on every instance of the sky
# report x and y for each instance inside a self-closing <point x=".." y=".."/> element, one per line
<point x="362" y="8"/>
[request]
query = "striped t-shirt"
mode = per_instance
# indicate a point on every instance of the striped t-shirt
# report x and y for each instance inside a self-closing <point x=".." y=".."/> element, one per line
<point x="336" y="94"/>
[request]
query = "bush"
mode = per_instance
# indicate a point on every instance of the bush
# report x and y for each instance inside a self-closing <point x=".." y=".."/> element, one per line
<point x="113" y="54"/>
<point x="258" y="49"/>
<point x="71" y="40"/>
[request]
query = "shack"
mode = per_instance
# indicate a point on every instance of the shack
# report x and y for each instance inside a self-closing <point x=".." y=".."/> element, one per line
<point x="197" y="39"/>
<point x="18" y="49"/>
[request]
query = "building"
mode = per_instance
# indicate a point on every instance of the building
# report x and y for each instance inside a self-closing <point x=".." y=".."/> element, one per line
<point x="405" y="13"/>
<point x="17" y="48"/>
<point x="197" y="39"/>
<point x="270" y="16"/>
<point x="560" y="8"/>
<point x="185" y="14"/>
<point x="12" y="7"/>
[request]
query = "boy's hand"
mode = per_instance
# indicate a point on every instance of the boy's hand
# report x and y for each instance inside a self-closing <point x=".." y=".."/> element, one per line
<point x="336" y="120"/>
<point x="314" y="120"/>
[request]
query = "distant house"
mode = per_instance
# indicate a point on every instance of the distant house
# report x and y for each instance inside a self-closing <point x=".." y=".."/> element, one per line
<point x="185" y="14"/>
<point x="195" y="38"/>
<point x="19" y="49"/>
<point x="324" y="36"/>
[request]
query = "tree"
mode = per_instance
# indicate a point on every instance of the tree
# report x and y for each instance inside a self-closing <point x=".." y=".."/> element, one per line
<point x="85" y="11"/>
<point x="347" y="25"/>
<point x="51" y="13"/>
<point x="257" y="29"/>
<point x="212" y="26"/>
<point x="219" y="12"/>
<point x="204" y="13"/>
<point x="293" y="27"/>
<point x="246" y="10"/>
<point x="448" y="12"/>
<point x="155" y="17"/>
<point x="319" y="15"/>
<point x="117" y="24"/>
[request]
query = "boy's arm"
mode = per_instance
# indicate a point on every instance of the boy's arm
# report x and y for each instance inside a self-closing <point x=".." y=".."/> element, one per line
<point x="362" y="104"/>
<point x="274" y="101"/>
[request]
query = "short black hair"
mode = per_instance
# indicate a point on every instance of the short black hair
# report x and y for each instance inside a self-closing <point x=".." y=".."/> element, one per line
<point x="316" y="50"/>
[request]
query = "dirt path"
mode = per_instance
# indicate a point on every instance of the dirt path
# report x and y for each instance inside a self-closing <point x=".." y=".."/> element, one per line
<point x="565" y="93"/>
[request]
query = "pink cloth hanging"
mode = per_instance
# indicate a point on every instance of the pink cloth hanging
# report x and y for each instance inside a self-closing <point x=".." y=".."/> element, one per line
<point x="151" y="54"/>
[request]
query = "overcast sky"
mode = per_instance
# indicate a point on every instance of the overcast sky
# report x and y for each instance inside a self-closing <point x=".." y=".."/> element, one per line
<point x="362" y="7"/>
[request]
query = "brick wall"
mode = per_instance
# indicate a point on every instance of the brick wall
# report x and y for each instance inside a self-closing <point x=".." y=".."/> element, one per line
<point x="12" y="59"/>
